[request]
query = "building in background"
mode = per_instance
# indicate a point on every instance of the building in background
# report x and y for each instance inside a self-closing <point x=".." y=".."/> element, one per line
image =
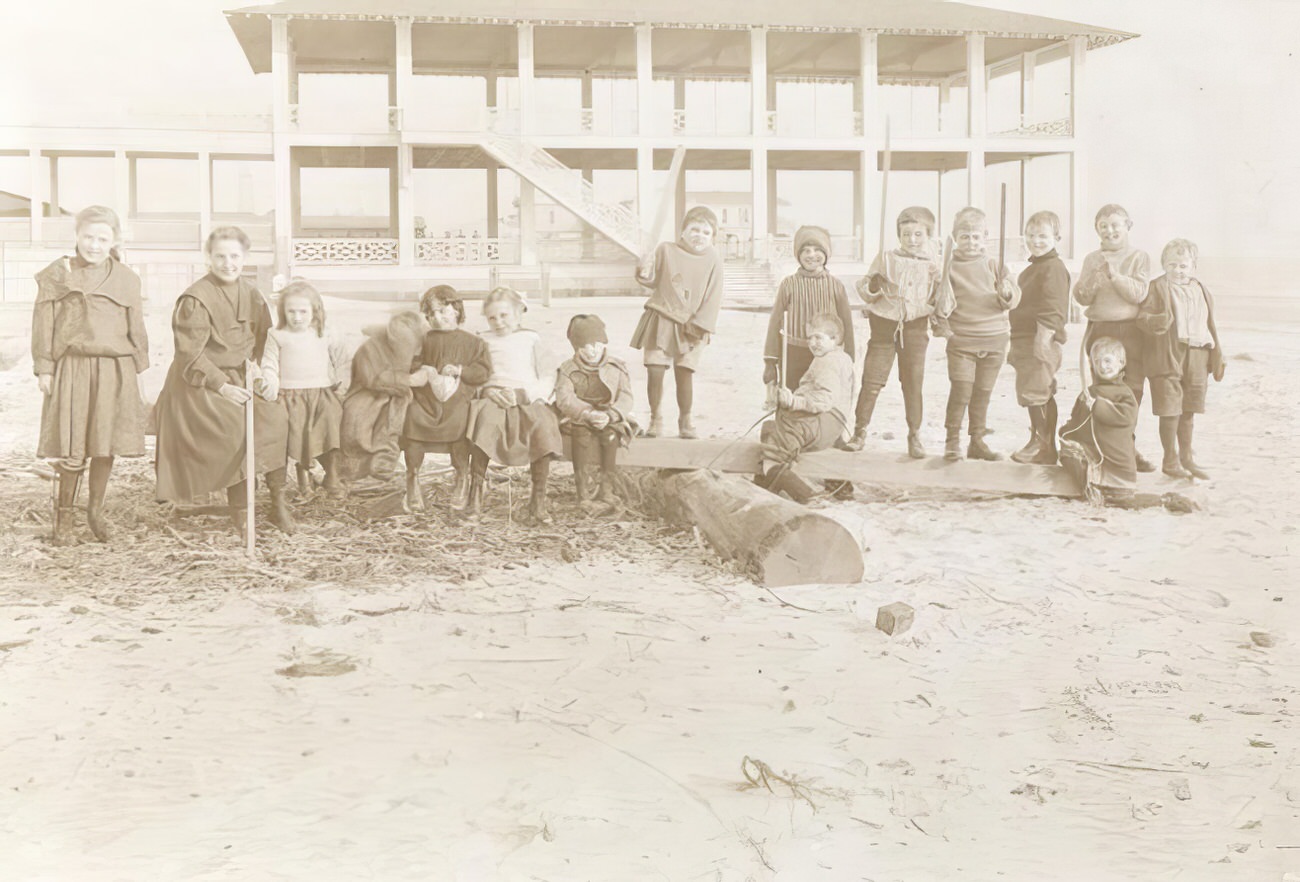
<point x="481" y="141"/>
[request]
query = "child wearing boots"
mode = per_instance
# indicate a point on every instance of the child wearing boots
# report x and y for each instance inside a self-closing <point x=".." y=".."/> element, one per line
<point x="1181" y="344"/>
<point x="1097" y="443"/>
<point x="593" y="393"/>
<point x="457" y="364"/>
<point x="899" y="290"/>
<point x="815" y="415"/>
<point x="88" y="346"/>
<point x="1038" y="334"/>
<point x="685" y="282"/>
<point x="511" y="422"/>
<point x="374" y="410"/>
<point x="974" y="297"/>
<point x="220" y="325"/>
<point x="303" y="366"/>
<point x="809" y="292"/>
<point x="1113" y="282"/>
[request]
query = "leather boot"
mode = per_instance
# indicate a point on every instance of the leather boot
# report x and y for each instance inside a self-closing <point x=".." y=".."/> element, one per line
<point x="858" y="441"/>
<point x="862" y="417"/>
<point x="1048" y="454"/>
<point x="959" y="396"/>
<point x="1185" y="448"/>
<point x="281" y="516"/>
<point x="333" y="483"/>
<point x="1034" y="445"/>
<point x="237" y="499"/>
<point x="100" y="468"/>
<point x="65" y="506"/>
<point x="537" y="508"/>
<point x="979" y="413"/>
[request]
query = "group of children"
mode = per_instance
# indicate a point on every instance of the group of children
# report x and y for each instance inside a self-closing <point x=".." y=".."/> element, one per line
<point x="423" y="384"/>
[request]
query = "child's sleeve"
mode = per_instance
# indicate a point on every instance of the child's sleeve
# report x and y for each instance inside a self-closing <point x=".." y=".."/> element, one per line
<point x="845" y="315"/>
<point x="478" y="366"/>
<point x="879" y="267"/>
<point x="571" y="407"/>
<point x="263" y="323"/>
<point x="370" y="372"/>
<point x="814" y="395"/>
<point x="772" y="345"/>
<point x="1055" y="301"/>
<point x="1085" y="290"/>
<point x="340" y="364"/>
<point x="1155" y="314"/>
<point x="623" y="402"/>
<point x="271" y="365"/>
<point x="135" y="330"/>
<point x="1000" y="276"/>
<point x="191" y="329"/>
<point x="652" y="280"/>
<point x="1121" y="410"/>
<point x="545" y="380"/>
<point x="1131" y="284"/>
<point x="706" y="316"/>
<point x="43" y="331"/>
<point x="945" y="299"/>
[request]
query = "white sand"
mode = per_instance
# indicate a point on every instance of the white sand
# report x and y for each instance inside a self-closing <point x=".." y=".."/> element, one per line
<point x="1079" y="699"/>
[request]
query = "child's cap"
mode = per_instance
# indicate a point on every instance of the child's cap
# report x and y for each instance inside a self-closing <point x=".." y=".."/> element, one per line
<point x="817" y="237"/>
<point x="703" y="214"/>
<point x="584" y="329"/>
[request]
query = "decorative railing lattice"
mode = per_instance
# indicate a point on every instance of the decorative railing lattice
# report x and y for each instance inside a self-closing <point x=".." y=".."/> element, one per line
<point x="466" y="251"/>
<point x="345" y="251"/>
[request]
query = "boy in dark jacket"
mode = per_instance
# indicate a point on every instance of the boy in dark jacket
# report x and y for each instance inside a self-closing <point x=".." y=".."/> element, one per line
<point x="1097" y="444"/>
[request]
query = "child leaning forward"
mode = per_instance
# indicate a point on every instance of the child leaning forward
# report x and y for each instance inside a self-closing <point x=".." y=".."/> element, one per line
<point x="593" y="393"/>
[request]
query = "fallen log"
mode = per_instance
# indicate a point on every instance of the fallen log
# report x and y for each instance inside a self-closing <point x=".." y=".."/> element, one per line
<point x="776" y="541"/>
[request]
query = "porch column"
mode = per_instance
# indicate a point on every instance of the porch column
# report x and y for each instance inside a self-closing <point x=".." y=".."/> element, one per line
<point x="1080" y="225"/>
<point x="37" y="188"/>
<point x="281" y="76"/>
<point x="976" y="119"/>
<point x="645" y="190"/>
<point x="758" y="79"/>
<point x="758" y="174"/>
<point x="54" y="186"/>
<point x="205" y="196"/>
<point x="403" y="72"/>
<point x="122" y="191"/>
<point x="644" y="81"/>
<point x="945" y="105"/>
<point x="527" y="85"/>
<point x="493" y="209"/>
<point x="1028" y="61"/>
<point x="869" y="82"/>
<point x="405" y="194"/>
<point x="588" y="109"/>
<point x="527" y="223"/>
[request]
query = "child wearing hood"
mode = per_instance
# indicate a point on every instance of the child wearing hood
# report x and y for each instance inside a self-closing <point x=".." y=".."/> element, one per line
<point x="374" y="410"/>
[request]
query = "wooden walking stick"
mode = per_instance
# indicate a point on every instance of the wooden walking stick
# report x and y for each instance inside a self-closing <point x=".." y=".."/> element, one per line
<point x="884" y="190"/>
<point x="250" y="476"/>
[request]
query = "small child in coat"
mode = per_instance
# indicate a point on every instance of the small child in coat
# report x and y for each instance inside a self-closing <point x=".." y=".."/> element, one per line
<point x="975" y="298"/>
<point x="88" y="347"/>
<point x="685" y="282"/>
<point x="1181" y="345"/>
<point x="813" y="416"/>
<point x="511" y="422"/>
<point x="457" y="364"/>
<point x="809" y="292"/>
<point x="1037" y="335"/>
<point x="593" y="392"/>
<point x="1097" y="443"/>
<point x="899" y="289"/>
<point x="303" y="365"/>
<point x="374" y="410"/>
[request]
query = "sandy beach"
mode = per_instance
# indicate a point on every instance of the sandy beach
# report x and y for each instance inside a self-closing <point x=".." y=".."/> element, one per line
<point x="1087" y="694"/>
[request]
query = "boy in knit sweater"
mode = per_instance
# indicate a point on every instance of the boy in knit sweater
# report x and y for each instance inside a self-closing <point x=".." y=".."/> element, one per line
<point x="1037" y="335"/>
<point x="975" y="296"/>
<point x="899" y="290"/>
<point x="813" y="416"/>
<point x="1112" y="286"/>
<point x="810" y="291"/>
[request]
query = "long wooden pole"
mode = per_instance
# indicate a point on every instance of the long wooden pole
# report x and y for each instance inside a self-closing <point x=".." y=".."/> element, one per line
<point x="884" y="191"/>
<point x="1002" y="236"/>
<point x="665" y="204"/>
<point x="250" y="477"/>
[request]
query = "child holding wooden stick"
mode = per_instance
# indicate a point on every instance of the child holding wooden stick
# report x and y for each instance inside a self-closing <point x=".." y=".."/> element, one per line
<point x="88" y="346"/>
<point x="457" y="364"/>
<point x="685" y="282"/>
<point x="220" y="325"/>
<point x="899" y="290"/>
<point x="303" y="366"/>
<point x="511" y="422"/>
<point x="810" y="291"/>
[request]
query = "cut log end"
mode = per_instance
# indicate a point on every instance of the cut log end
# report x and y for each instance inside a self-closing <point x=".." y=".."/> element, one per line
<point x="808" y="548"/>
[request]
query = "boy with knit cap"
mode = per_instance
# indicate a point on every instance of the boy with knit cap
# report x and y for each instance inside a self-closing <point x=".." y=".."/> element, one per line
<point x="899" y="290"/>
<point x="1112" y="286"/>
<point x="810" y="291"/>
<point x="1037" y="335"/>
<point x="593" y="392"/>
<point x="975" y="296"/>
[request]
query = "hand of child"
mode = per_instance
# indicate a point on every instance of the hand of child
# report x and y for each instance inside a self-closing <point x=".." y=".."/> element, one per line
<point x="694" y="333"/>
<point x="46" y="382"/>
<point x="1043" y="344"/>
<point x="1005" y="290"/>
<point x="501" y="397"/>
<point x="770" y="372"/>
<point x="235" y="394"/>
<point x="1103" y="269"/>
<point x="264" y="390"/>
<point x="934" y="270"/>
<point x="451" y="370"/>
<point x="784" y="397"/>
<point x="597" y="419"/>
<point x="419" y="378"/>
<point x="646" y="268"/>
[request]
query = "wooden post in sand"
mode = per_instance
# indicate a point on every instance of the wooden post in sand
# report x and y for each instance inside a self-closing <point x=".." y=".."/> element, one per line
<point x="776" y="541"/>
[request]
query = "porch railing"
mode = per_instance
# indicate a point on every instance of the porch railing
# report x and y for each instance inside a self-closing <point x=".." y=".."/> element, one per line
<point x="347" y="252"/>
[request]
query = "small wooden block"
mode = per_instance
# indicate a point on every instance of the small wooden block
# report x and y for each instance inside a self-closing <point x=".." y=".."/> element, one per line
<point x="895" y="618"/>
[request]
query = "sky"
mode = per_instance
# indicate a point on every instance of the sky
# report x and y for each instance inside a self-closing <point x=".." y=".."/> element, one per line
<point x="1195" y="126"/>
